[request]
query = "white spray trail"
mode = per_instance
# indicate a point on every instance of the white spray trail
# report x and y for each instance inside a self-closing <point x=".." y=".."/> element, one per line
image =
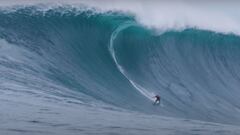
<point x="142" y="90"/>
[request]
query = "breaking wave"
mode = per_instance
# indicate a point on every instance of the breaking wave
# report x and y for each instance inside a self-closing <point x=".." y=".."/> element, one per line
<point x="111" y="58"/>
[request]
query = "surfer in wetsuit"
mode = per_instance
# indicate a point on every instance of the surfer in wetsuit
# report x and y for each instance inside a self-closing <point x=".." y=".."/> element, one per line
<point x="157" y="101"/>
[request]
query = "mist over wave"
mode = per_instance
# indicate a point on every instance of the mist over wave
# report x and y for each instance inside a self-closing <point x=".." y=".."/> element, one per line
<point x="113" y="58"/>
<point x="162" y="15"/>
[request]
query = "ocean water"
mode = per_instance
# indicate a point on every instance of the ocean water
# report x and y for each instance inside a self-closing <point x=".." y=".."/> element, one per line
<point x="70" y="69"/>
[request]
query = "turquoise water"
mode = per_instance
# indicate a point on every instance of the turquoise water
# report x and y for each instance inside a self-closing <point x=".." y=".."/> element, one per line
<point x="109" y="61"/>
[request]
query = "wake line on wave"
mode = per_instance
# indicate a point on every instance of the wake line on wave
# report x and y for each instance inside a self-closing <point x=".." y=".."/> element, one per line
<point x="141" y="89"/>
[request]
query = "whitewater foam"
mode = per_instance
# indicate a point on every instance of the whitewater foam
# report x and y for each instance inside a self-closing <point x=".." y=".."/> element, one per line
<point x="162" y="15"/>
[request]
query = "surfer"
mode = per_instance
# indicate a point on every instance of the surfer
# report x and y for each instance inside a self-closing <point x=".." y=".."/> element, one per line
<point x="157" y="101"/>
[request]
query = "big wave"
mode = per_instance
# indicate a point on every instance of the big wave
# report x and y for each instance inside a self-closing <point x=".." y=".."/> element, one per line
<point x="110" y="57"/>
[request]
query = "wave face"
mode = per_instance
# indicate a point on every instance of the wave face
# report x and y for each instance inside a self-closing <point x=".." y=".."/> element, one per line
<point x="109" y="58"/>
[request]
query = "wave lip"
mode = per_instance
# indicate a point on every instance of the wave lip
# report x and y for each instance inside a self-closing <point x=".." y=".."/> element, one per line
<point x="159" y="14"/>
